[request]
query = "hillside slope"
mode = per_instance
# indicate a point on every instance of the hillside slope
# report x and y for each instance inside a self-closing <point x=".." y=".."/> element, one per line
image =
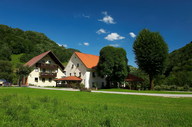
<point x="180" y="59"/>
<point x="15" y="41"/>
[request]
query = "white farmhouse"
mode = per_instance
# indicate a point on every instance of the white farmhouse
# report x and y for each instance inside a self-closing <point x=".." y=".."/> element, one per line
<point x="46" y="67"/>
<point x="81" y="67"/>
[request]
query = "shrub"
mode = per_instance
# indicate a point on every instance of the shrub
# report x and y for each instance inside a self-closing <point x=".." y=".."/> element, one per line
<point x="157" y="87"/>
<point x="77" y="85"/>
<point x="173" y="87"/>
<point x="165" y="87"/>
<point x="186" y="87"/>
<point x="180" y="88"/>
<point x="85" y="89"/>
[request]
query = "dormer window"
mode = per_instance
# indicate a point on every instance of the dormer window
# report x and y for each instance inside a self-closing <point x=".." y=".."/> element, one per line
<point x="36" y="69"/>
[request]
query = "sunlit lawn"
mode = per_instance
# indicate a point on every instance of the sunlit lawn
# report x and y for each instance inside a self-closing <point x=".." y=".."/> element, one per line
<point x="50" y="108"/>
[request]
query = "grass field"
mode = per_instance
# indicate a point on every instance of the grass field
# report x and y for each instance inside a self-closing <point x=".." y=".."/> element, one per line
<point x="49" y="108"/>
<point x="147" y="91"/>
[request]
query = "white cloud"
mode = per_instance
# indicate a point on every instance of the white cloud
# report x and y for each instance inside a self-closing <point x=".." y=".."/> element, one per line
<point x="101" y="31"/>
<point x="132" y="34"/>
<point x="86" y="16"/>
<point x="114" y="45"/>
<point x="113" y="37"/>
<point x="86" y="43"/>
<point x="107" y="18"/>
<point x="64" y="45"/>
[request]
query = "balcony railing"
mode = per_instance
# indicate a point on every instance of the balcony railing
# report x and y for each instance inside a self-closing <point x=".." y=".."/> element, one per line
<point x="48" y="75"/>
<point x="47" y="66"/>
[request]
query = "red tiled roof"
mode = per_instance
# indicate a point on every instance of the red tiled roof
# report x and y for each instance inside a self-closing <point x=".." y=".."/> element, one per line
<point x="133" y="78"/>
<point x="90" y="61"/>
<point x="69" y="78"/>
<point x="35" y="59"/>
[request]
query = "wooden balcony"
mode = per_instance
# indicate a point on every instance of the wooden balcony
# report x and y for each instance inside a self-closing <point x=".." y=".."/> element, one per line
<point x="47" y="66"/>
<point x="48" y="75"/>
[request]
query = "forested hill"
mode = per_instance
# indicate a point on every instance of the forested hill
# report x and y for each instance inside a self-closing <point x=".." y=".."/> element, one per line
<point x="180" y="60"/>
<point x="28" y="43"/>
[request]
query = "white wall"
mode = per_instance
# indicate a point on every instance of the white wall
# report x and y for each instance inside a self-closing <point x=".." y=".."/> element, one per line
<point x="97" y="80"/>
<point x="74" y="60"/>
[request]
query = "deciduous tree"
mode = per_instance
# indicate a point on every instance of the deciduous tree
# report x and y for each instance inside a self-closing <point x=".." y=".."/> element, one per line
<point x="151" y="53"/>
<point x="113" y="64"/>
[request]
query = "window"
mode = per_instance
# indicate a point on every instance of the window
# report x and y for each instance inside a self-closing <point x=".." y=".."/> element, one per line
<point x="103" y="85"/>
<point x="50" y="79"/>
<point x="77" y="65"/>
<point x="36" y="70"/>
<point x="49" y="61"/>
<point x="44" y="70"/>
<point x="93" y="84"/>
<point x="70" y="74"/>
<point x="64" y="72"/>
<point x="74" y="74"/>
<point x="79" y="74"/>
<point x="72" y="66"/>
<point x="36" y="79"/>
<point x="93" y="74"/>
<point x="43" y="79"/>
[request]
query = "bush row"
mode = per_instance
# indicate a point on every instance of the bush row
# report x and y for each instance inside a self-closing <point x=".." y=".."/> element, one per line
<point x="173" y="88"/>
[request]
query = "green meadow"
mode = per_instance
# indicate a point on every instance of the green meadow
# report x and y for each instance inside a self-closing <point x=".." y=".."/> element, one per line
<point x="26" y="107"/>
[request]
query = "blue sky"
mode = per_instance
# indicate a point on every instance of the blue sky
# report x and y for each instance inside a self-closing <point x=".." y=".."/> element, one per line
<point x="89" y="25"/>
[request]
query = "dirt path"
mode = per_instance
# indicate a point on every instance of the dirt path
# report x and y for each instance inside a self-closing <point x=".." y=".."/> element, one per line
<point x="111" y="92"/>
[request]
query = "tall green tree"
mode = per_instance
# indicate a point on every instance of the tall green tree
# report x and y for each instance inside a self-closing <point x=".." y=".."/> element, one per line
<point x="113" y="64"/>
<point x="151" y="53"/>
<point x="22" y="72"/>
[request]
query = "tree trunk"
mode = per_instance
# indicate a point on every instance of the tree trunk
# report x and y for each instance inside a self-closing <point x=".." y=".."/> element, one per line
<point x="151" y="82"/>
<point x="19" y="81"/>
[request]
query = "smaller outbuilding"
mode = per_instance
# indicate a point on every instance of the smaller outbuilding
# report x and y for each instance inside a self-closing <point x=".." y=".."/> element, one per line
<point x="133" y="81"/>
<point x="67" y="81"/>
